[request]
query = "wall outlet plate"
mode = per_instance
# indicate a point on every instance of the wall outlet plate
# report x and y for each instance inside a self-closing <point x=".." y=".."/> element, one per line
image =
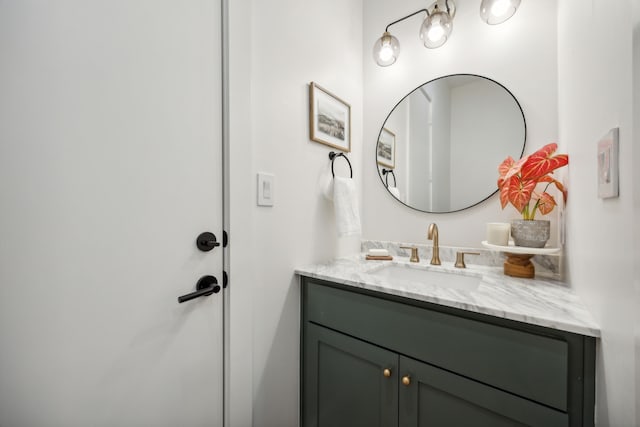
<point x="265" y="189"/>
<point x="608" y="170"/>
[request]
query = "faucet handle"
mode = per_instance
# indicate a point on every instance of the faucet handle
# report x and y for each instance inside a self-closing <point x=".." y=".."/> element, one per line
<point x="414" y="253"/>
<point x="460" y="258"/>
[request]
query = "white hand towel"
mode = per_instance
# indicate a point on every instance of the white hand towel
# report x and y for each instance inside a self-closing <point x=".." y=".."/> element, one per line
<point x="345" y="203"/>
<point x="394" y="191"/>
<point x="326" y="185"/>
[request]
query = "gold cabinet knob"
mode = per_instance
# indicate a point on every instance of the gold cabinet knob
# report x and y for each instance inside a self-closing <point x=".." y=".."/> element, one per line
<point x="406" y="380"/>
<point x="386" y="373"/>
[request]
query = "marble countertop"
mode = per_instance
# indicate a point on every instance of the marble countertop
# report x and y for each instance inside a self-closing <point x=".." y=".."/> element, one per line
<point x="541" y="301"/>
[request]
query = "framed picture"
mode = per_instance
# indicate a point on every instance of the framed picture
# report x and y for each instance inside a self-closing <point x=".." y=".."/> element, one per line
<point x="386" y="150"/>
<point x="608" y="165"/>
<point x="329" y="119"/>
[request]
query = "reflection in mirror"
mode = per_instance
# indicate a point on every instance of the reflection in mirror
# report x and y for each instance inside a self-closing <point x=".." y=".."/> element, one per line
<point x="449" y="136"/>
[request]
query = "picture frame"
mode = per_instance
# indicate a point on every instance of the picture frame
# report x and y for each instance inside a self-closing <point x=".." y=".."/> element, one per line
<point x="386" y="149"/>
<point x="329" y="119"/>
<point x="608" y="169"/>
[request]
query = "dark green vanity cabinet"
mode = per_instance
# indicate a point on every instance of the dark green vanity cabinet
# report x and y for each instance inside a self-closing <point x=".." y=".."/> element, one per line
<point x="370" y="359"/>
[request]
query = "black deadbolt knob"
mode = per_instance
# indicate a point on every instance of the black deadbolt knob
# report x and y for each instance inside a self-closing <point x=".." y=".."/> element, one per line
<point x="207" y="241"/>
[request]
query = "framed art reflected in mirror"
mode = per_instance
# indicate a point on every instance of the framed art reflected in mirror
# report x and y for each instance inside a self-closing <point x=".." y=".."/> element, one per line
<point x="386" y="151"/>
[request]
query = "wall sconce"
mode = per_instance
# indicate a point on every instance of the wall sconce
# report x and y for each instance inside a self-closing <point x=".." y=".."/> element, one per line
<point x="437" y="26"/>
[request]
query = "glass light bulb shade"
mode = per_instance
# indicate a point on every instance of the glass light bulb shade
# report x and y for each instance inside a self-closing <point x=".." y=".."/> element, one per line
<point x="497" y="11"/>
<point x="386" y="50"/>
<point x="436" y="29"/>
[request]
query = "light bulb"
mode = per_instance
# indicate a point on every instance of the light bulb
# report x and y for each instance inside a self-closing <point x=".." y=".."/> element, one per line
<point x="386" y="53"/>
<point x="500" y="7"/>
<point x="497" y="11"/>
<point x="386" y="50"/>
<point x="436" y="29"/>
<point x="435" y="33"/>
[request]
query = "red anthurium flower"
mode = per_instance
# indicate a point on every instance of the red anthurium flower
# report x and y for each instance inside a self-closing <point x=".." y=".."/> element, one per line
<point x="517" y="181"/>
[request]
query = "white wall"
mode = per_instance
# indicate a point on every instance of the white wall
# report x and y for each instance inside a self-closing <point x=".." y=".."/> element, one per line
<point x="285" y="45"/>
<point x="493" y="127"/>
<point x="418" y="148"/>
<point x="238" y="218"/>
<point x="440" y="157"/>
<point x="595" y="80"/>
<point x="520" y="54"/>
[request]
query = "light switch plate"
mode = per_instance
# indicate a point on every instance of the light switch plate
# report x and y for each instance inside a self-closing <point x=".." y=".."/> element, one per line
<point x="608" y="171"/>
<point x="265" y="189"/>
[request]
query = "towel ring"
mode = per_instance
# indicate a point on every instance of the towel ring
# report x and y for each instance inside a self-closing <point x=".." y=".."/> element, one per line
<point x="333" y="155"/>
<point x="386" y="173"/>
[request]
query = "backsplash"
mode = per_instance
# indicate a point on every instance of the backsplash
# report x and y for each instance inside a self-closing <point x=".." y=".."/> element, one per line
<point x="549" y="265"/>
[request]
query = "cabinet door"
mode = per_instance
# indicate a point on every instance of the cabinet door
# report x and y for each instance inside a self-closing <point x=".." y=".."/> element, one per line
<point x="435" y="397"/>
<point x="344" y="381"/>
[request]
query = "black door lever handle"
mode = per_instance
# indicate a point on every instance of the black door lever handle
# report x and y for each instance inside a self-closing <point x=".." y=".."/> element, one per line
<point x="206" y="286"/>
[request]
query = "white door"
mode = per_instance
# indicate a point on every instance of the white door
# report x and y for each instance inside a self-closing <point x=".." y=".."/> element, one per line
<point x="110" y="167"/>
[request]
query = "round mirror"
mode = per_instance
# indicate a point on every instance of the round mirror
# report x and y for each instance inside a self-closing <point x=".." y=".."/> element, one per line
<point x="439" y="148"/>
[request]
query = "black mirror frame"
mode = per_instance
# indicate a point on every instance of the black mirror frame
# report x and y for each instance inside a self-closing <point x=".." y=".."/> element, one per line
<point x="524" y="143"/>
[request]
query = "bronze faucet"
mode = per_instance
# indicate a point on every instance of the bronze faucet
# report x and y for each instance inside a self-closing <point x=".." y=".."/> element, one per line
<point x="414" y="253"/>
<point x="432" y="234"/>
<point x="460" y="258"/>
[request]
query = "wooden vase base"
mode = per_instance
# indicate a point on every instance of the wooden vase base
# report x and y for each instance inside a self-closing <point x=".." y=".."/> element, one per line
<point x="519" y="265"/>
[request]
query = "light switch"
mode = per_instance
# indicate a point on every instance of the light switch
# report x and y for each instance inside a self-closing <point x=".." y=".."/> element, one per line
<point x="608" y="172"/>
<point x="265" y="189"/>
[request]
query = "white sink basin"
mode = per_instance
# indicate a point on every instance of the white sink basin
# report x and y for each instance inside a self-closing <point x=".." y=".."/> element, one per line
<point x="395" y="272"/>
